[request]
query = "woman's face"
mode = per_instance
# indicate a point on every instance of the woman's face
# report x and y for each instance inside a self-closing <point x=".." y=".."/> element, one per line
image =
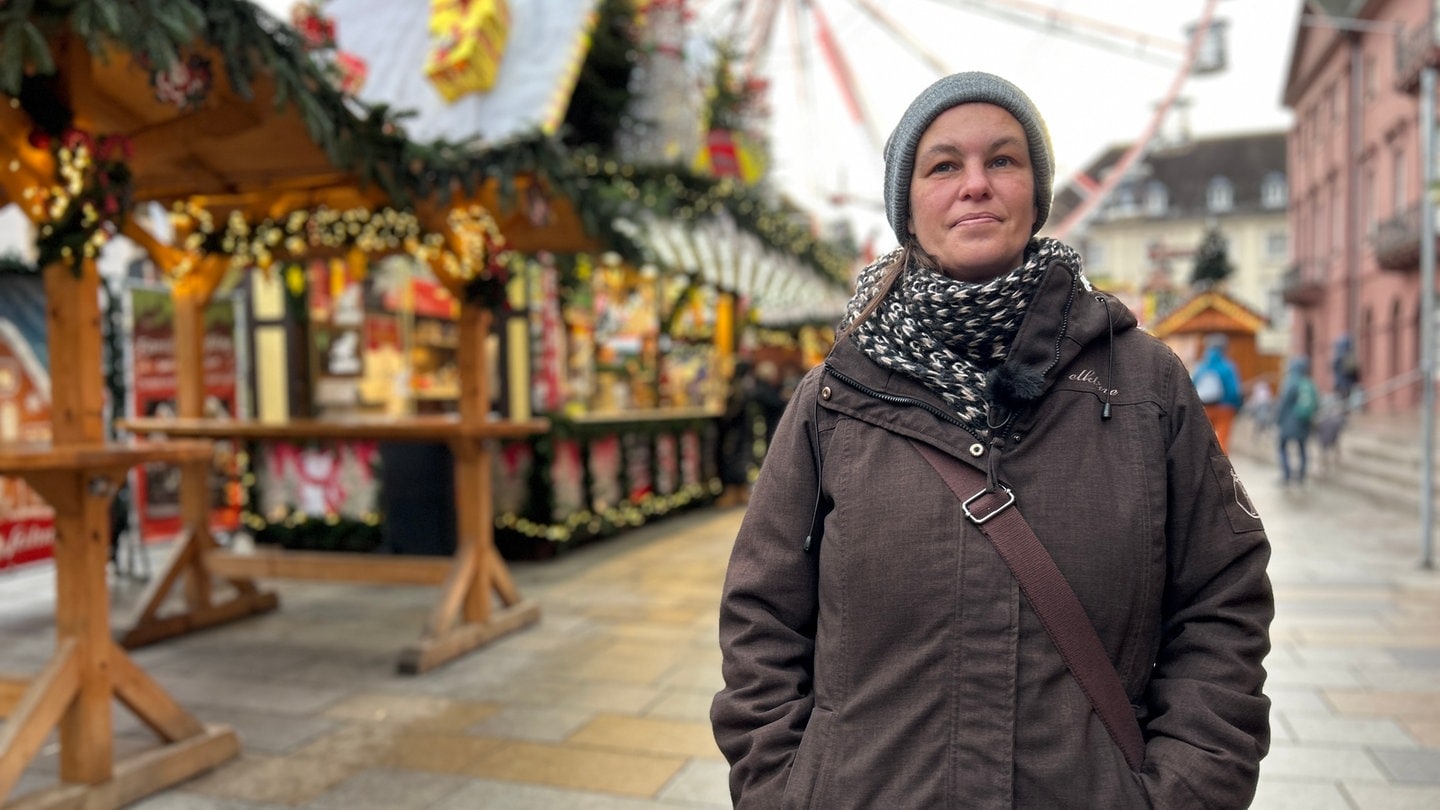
<point x="972" y="196"/>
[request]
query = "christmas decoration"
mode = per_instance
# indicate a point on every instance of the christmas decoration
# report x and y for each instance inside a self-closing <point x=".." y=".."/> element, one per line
<point x="467" y="42"/>
<point x="344" y="71"/>
<point x="317" y="29"/>
<point x="91" y="194"/>
<point x="185" y="84"/>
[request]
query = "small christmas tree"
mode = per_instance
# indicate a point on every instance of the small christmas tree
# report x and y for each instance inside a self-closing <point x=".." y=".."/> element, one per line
<point x="1212" y="261"/>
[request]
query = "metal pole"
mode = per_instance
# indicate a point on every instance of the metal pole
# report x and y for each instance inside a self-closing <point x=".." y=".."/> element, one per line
<point x="1427" y="317"/>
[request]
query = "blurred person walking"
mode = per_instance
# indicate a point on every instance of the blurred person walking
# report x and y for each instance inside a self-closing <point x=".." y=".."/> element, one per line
<point x="884" y="644"/>
<point x="1345" y="367"/>
<point x="1217" y="383"/>
<point x="1299" y="401"/>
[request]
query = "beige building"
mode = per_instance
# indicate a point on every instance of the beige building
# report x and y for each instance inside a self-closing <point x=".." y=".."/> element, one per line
<point x="1140" y="242"/>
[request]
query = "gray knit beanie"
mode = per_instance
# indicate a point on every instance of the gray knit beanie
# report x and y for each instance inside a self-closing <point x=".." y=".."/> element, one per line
<point x="951" y="91"/>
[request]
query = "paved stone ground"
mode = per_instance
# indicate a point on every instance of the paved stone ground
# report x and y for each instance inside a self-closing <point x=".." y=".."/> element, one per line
<point x="602" y="705"/>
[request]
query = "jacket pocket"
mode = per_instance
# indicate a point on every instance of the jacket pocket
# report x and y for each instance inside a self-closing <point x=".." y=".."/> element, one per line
<point x="809" y="763"/>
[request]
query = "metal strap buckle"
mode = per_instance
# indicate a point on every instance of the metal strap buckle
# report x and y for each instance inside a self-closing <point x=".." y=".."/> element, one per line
<point x="979" y="519"/>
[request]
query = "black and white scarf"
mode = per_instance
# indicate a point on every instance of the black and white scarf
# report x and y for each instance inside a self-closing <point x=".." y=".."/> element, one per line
<point x="950" y="334"/>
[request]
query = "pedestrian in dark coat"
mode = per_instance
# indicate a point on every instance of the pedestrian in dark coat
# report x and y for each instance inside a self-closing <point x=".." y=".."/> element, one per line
<point x="877" y="652"/>
<point x="1294" y="417"/>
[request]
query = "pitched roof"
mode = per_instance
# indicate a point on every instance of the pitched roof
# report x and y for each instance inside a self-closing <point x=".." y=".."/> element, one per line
<point x="1210" y="311"/>
<point x="1186" y="172"/>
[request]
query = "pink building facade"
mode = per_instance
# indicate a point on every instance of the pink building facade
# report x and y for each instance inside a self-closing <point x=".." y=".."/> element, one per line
<point x="1354" y="158"/>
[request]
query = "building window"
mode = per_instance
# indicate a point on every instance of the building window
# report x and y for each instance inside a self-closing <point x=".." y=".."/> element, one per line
<point x="1273" y="191"/>
<point x="1277" y="245"/>
<point x="1157" y="199"/>
<point x="1220" y="196"/>
<point x="1367" y="76"/>
<point x="1124" y="205"/>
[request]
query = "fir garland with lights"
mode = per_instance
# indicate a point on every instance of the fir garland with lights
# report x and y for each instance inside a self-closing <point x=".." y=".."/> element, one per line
<point x="369" y="139"/>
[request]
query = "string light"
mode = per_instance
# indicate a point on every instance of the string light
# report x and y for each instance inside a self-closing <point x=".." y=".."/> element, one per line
<point x="384" y="231"/>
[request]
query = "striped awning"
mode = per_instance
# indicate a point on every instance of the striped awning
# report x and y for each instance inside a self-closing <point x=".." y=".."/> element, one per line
<point x="782" y="290"/>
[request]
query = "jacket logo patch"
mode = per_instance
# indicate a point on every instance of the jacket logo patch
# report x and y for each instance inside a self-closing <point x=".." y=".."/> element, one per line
<point x="1089" y="377"/>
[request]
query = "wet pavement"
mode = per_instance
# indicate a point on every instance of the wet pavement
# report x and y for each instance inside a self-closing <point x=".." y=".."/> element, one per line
<point x="603" y="704"/>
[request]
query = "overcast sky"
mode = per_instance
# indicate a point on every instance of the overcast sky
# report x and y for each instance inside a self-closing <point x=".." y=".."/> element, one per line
<point x="1092" y="96"/>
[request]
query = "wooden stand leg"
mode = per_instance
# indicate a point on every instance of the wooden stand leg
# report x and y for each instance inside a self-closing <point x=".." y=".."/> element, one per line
<point x="187" y="563"/>
<point x="73" y="693"/>
<point x="479" y="575"/>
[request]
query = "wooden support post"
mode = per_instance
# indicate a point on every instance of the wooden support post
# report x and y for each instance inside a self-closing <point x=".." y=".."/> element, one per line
<point x="81" y="501"/>
<point x="78" y="476"/>
<point x="73" y="694"/>
<point x="466" y="616"/>
<point x="189" y="326"/>
<point x="72" y="319"/>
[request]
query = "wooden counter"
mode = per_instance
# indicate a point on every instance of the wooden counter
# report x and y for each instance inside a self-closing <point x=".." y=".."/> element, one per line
<point x="414" y="428"/>
<point x="464" y="617"/>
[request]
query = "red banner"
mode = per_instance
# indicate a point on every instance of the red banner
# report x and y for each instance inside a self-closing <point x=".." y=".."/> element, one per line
<point x="152" y="393"/>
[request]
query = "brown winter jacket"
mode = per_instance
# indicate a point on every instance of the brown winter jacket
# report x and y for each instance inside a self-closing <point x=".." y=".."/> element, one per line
<point x="887" y="659"/>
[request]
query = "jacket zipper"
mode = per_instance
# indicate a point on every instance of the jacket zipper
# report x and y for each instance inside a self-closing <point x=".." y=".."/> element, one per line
<point x="899" y="400"/>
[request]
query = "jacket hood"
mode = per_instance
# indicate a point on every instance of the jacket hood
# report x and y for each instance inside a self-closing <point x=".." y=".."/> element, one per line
<point x="1065" y="316"/>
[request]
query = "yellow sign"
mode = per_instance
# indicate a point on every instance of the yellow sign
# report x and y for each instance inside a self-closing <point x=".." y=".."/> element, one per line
<point x="467" y="41"/>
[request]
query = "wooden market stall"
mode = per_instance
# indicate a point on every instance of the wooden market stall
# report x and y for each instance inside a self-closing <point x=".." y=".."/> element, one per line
<point x="635" y="354"/>
<point x="1211" y="312"/>
<point x="217" y="111"/>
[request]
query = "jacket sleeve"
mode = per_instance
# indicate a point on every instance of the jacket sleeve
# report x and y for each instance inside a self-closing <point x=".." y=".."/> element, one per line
<point x="1206" y="717"/>
<point x="768" y="616"/>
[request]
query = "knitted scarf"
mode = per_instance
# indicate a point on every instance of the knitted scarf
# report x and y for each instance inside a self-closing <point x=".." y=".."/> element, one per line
<point x="949" y="334"/>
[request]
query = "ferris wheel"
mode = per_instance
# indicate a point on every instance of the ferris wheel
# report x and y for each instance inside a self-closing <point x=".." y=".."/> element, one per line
<point x="801" y="37"/>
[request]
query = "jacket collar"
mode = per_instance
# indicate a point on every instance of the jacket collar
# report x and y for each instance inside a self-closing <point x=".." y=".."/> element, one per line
<point x="1064" y="316"/>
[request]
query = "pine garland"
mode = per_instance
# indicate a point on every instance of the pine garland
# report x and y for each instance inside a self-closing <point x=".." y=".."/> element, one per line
<point x="370" y="138"/>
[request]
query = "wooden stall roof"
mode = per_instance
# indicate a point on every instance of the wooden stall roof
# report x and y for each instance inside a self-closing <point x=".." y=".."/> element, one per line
<point x="270" y="136"/>
<point x="1210" y="311"/>
<point x="273" y="135"/>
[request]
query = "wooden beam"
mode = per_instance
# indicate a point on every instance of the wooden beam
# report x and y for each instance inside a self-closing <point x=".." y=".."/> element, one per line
<point x="37" y="713"/>
<point x="458" y="584"/>
<point x="155" y="627"/>
<point x="330" y="566"/>
<point x="140" y="775"/>
<point x="431" y="652"/>
<point x="189" y="339"/>
<point x="12" y="688"/>
<point x="152" y="704"/>
<point x="72" y="320"/>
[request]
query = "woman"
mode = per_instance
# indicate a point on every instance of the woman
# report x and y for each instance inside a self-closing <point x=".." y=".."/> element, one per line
<point x="877" y="650"/>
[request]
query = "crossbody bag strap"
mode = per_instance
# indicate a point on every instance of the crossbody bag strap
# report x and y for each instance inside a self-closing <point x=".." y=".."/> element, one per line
<point x="1050" y="596"/>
